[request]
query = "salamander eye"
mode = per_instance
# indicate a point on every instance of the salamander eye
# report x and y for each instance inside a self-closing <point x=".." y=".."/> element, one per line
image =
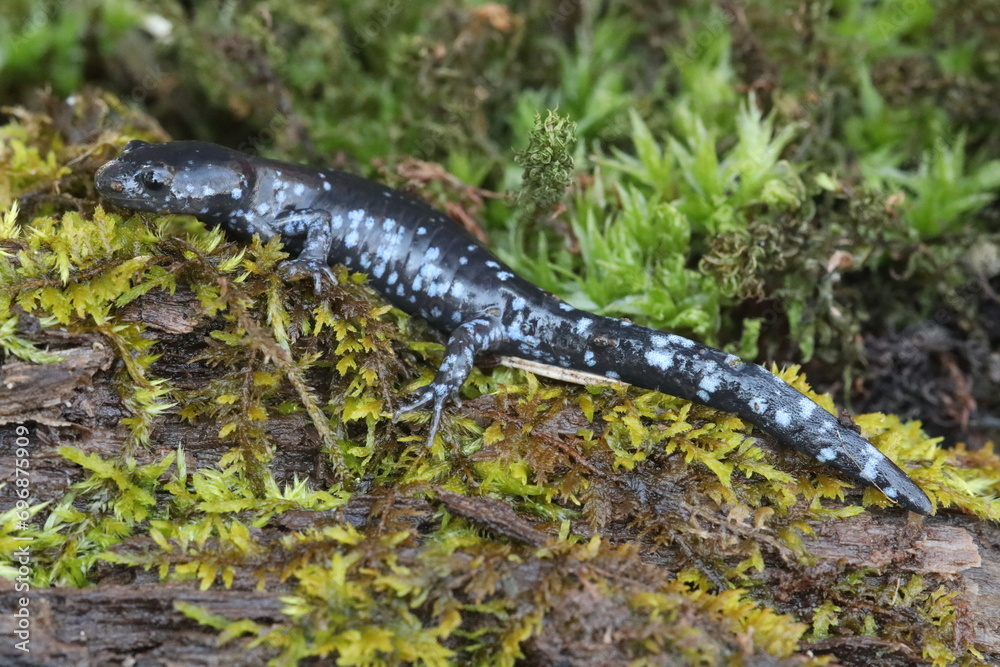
<point x="155" y="179"/>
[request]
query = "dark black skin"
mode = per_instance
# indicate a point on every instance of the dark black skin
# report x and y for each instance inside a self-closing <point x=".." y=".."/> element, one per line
<point x="427" y="265"/>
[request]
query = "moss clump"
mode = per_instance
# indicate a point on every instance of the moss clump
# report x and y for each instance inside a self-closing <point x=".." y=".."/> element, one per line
<point x="413" y="582"/>
<point x="547" y="162"/>
<point x="765" y="166"/>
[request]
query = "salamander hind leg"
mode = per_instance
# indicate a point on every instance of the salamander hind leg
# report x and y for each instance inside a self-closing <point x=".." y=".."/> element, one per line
<point x="316" y="225"/>
<point x="465" y="342"/>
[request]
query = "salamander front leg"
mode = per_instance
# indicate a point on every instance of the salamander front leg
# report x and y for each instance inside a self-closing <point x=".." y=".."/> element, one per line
<point x="466" y="341"/>
<point x="316" y="225"/>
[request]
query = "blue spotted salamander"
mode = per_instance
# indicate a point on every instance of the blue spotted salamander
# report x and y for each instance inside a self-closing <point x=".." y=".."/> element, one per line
<point x="427" y="265"/>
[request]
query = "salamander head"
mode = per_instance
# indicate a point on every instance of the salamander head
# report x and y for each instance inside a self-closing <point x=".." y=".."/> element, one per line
<point x="191" y="177"/>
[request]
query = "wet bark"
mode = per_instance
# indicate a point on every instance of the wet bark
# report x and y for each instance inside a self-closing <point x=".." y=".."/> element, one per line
<point x="130" y="617"/>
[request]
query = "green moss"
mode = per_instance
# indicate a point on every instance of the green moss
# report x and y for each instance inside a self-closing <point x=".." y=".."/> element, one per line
<point x="637" y="230"/>
<point x="388" y="593"/>
<point x="547" y="162"/>
<point x="46" y="41"/>
<point x="701" y="203"/>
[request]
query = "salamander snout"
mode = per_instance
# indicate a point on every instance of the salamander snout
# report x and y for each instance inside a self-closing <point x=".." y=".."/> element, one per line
<point x="121" y="183"/>
<point x="176" y="177"/>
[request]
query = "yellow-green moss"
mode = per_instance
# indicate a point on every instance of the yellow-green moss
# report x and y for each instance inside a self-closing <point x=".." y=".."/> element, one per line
<point x="679" y="480"/>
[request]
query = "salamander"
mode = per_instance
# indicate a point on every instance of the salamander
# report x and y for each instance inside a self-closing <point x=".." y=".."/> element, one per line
<point x="427" y="265"/>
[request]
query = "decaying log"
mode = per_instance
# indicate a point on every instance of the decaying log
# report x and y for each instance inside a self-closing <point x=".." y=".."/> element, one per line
<point x="130" y="617"/>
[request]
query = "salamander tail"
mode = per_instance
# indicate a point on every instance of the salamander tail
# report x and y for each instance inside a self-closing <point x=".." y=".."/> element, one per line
<point x="681" y="367"/>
